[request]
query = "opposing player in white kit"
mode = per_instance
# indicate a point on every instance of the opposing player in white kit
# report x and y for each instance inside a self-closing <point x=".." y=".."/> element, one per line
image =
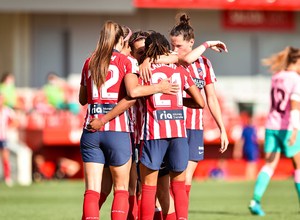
<point x="282" y="126"/>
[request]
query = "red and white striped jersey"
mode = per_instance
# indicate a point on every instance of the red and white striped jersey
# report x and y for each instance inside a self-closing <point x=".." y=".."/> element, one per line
<point x="101" y="101"/>
<point x="136" y="113"/>
<point x="203" y="74"/>
<point x="164" y="113"/>
<point x="132" y="109"/>
<point x="138" y="118"/>
<point x="6" y="114"/>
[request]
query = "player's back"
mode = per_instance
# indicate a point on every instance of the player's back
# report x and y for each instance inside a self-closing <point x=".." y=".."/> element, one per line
<point x="164" y="114"/>
<point x="102" y="100"/>
<point x="283" y="85"/>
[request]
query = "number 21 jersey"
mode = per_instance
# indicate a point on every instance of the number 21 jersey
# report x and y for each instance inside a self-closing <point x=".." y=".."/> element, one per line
<point x="164" y="113"/>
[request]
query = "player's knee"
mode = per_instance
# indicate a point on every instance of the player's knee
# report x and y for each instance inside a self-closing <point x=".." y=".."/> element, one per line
<point x="268" y="169"/>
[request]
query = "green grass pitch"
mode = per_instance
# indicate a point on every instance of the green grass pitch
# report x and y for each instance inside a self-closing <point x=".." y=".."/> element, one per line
<point x="210" y="200"/>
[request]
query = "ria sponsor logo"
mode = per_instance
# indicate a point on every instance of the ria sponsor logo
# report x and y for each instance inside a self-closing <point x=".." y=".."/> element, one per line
<point x="169" y="115"/>
<point x="100" y="108"/>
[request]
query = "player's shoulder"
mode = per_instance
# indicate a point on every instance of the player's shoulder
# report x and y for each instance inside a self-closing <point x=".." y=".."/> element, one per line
<point x="288" y="75"/>
<point x="120" y="58"/>
<point x="204" y="60"/>
<point x="133" y="60"/>
<point x="181" y="68"/>
<point x="87" y="61"/>
<point x="86" y="64"/>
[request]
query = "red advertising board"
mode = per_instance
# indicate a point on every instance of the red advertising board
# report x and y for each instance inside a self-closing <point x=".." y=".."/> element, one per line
<point x="258" y="20"/>
<point x="286" y="5"/>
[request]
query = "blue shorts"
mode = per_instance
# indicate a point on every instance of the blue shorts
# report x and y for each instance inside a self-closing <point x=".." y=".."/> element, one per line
<point x="196" y="144"/>
<point x="251" y="155"/>
<point x="3" y="144"/>
<point x="105" y="147"/>
<point x="135" y="149"/>
<point x="174" y="150"/>
<point x="163" y="170"/>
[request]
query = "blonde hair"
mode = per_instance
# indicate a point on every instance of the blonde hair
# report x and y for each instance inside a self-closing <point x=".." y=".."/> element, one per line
<point x="282" y="60"/>
<point x="110" y="35"/>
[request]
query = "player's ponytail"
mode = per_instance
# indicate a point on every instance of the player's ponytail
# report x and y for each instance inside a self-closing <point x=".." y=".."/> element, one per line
<point x="110" y="35"/>
<point x="282" y="60"/>
<point x="183" y="27"/>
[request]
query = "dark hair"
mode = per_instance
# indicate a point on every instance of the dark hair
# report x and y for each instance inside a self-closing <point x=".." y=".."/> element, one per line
<point x="183" y="27"/>
<point x="136" y="36"/>
<point x="127" y="33"/>
<point x="4" y="76"/>
<point x="156" y="44"/>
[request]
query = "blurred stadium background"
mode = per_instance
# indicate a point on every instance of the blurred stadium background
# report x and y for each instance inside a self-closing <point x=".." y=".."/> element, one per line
<point x="39" y="36"/>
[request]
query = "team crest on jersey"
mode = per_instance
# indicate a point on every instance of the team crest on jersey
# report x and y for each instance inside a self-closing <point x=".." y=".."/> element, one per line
<point x="169" y="115"/>
<point x="200" y="83"/>
<point x="100" y="108"/>
<point x="200" y="71"/>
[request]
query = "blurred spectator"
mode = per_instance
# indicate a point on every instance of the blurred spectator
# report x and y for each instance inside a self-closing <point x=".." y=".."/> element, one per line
<point x="41" y="105"/>
<point x="247" y="146"/>
<point x="55" y="91"/>
<point x="8" y="90"/>
<point x="45" y="170"/>
<point x="59" y="94"/>
<point x="218" y="172"/>
<point x="7" y="118"/>
<point x="42" y="169"/>
<point x="66" y="167"/>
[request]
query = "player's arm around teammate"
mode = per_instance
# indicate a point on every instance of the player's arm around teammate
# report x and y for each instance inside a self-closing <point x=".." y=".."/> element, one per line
<point x="134" y="90"/>
<point x="145" y="70"/>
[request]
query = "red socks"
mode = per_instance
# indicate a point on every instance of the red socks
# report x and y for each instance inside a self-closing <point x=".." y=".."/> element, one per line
<point x="102" y="199"/>
<point x="148" y="202"/>
<point x="6" y="169"/>
<point x="139" y="201"/>
<point x="180" y="199"/>
<point x="91" y="205"/>
<point x="133" y="208"/>
<point x="171" y="216"/>
<point x="188" y="190"/>
<point x="120" y="205"/>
